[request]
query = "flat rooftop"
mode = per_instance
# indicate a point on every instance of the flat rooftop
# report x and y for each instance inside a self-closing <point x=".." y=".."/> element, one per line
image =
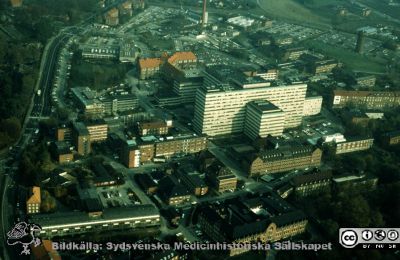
<point x="263" y="106"/>
<point x="79" y="217"/>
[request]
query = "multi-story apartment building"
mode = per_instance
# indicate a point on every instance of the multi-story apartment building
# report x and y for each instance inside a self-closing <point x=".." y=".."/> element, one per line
<point x="164" y="99"/>
<point x="63" y="133"/>
<point x="61" y="152"/>
<point x="148" y="67"/>
<point x="184" y="144"/>
<point x="262" y="119"/>
<point x="90" y="104"/>
<point x="269" y="74"/>
<point x="221" y="108"/>
<point x="354" y="145"/>
<point x="221" y="178"/>
<point x="128" y="51"/>
<point x="112" y="17"/>
<point x="153" y="128"/>
<point x="98" y="130"/>
<point x="118" y="103"/>
<point x="81" y="138"/>
<point x="312" y="106"/>
<point x="308" y="184"/>
<point x="324" y="66"/>
<point x="187" y="83"/>
<point x="34" y="201"/>
<point x="282" y="40"/>
<point x="193" y="182"/>
<point x="125" y="9"/>
<point x="242" y="222"/>
<point x="363" y="181"/>
<point x="110" y="219"/>
<point x="284" y="159"/>
<point x="86" y="101"/>
<point x="367" y="99"/>
<point x="131" y="154"/>
<point x="182" y="59"/>
<point x="148" y="147"/>
<point x="391" y="138"/>
<point x="172" y="191"/>
<point x="100" y="52"/>
<point x="134" y="154"/>
<point x="294" y="53"/>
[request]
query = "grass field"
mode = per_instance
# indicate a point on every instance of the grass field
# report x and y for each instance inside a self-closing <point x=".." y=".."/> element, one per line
<point x="292" y="11"/>
<point x="353" y="60"/>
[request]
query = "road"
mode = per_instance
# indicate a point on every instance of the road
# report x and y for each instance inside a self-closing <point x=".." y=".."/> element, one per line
<point x="39" y="108"/>
<point x="41" y="103"/>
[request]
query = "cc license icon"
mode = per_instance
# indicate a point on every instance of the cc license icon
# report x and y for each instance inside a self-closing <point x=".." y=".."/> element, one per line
<point x="348" y="238"/>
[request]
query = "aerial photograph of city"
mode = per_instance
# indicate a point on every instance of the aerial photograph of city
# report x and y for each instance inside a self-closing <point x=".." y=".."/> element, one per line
<point x="200" y="129"/>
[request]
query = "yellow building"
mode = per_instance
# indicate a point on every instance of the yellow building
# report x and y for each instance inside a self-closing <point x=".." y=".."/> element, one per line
<point x="284" y="159"/>
<point x="392" y="138"/>
<point x="354" y="145"/>
<point x="98" y="131"/>
<point x="34" y="201"/>
<point x="112" y="17"/>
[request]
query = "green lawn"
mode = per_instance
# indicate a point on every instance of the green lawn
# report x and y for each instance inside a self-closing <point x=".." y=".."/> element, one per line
<point x="292" y="11"/>
<point x="353" y="60"/>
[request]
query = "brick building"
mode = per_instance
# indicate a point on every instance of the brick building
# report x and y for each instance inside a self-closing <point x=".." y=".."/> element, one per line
<point x="366" y="99"/>
<point x="354" y="145"/>
<point x="244" y="222"/>
<point x="283" y="159"/>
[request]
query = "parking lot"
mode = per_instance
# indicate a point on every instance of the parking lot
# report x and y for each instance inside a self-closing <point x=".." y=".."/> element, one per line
<point x="296" y="31"/>
<point x="118" y="196"/>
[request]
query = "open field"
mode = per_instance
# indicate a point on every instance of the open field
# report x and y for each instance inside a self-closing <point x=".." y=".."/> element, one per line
<point x="353" y="60"/>
<point x="381" y="6"/>
<point x="290" y="10"/>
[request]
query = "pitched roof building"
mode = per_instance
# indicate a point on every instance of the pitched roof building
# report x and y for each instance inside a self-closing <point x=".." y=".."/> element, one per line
<point x="258" y="219"/>
<point x="284" y="159"/>
<point x="34" y="201"/>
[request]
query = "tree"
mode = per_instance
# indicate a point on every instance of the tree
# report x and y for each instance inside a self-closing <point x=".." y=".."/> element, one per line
<point x="48" y="202"/>
<point x="331" y="227"/>
<point x="12" y="127"/>
<point x="60" y="191"/>
<point x="353" y="211"/>
<point x="5" y="140"/>
<point x="63" y="113"/>
<point x="345" y="75"/>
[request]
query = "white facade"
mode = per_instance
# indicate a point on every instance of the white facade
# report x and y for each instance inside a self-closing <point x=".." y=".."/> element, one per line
<point x="222" y="110"/>
<point x="312" y="106"/>
<point x="263" y="119"/>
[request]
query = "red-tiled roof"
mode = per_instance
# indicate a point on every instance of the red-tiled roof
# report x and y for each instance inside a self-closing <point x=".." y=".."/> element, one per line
<point x="178" y="56"/>
<point x="149" y="63"/>
<point x="113" y="12"/>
